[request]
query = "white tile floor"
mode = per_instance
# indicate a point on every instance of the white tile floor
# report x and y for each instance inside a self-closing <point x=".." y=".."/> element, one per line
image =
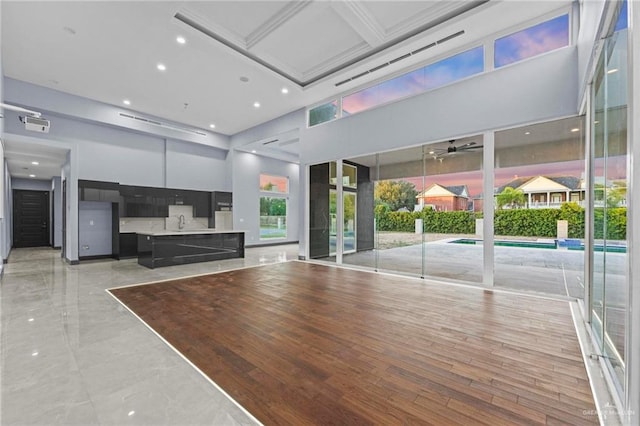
<point x="71" y="354"/>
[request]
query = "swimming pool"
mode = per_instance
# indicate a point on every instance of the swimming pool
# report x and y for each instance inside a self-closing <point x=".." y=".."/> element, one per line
<point x="568" y="244"/>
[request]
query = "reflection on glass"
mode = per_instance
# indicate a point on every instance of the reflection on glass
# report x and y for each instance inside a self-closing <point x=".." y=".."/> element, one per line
<point x="539" y="208"/>
<point x="270" y="183"/>
<point x="608" y="295"/>
<point x="446" y="71"/>
<point x="533" y="41"/>
<point x="323" y="113"/>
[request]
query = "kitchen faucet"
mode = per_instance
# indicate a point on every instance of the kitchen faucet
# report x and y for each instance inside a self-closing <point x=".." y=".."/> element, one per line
<point x="181" y="222"/>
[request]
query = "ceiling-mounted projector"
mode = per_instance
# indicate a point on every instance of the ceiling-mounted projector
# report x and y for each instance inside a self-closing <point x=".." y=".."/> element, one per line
<point x="35" y="124"/>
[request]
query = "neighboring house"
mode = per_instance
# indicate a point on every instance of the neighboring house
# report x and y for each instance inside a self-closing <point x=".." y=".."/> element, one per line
<point x="445" y="198"/>
<point x="547" y="191"/>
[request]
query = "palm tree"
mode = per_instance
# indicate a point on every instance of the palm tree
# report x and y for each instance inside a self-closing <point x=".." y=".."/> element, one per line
<point x="514" y="198"/>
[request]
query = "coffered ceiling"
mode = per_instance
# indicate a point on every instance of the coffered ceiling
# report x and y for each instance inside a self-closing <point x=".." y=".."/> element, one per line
<point x="236" y="53"/>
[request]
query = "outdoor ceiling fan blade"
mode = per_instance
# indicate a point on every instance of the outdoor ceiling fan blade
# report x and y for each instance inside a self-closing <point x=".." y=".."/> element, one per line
<point x="467" y="148"/>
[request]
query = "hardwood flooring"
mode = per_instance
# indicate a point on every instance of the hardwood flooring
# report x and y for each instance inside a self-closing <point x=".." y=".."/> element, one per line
<point x="301" y="343"/>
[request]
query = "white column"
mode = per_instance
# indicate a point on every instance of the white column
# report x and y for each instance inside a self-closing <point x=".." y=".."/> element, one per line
<point x="632" y="343"/>
<point x="488" y="207"/>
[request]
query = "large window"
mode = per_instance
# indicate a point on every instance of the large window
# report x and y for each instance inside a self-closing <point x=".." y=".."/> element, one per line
<point x="446" y="71"/>
<point x="532" y="41"/>
<point x="273" y="206"/>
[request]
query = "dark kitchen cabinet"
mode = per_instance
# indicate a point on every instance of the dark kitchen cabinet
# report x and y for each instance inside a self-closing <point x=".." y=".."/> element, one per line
<point x="141" y="201"/>
<point x="128" y="245"/>
<point x="90" y="190"/>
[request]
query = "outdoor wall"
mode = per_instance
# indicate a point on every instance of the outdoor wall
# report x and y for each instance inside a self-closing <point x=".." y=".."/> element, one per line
<point x="537" y="89"/>
<point x="247" y="168"/>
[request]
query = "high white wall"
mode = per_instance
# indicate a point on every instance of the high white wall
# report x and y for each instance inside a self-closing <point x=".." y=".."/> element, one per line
<point x="591" y="13"/>
<point x="195" y="167"/>
<point x="83" y="109"/>
<point x="247" y="168"/>
<point x="537" y="89"/>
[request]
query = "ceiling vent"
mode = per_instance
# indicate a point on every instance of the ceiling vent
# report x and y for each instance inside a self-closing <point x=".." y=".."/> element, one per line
<point x="165" y="125"/>
<point x="402" y="57"/>
<point x="270" y="142"/>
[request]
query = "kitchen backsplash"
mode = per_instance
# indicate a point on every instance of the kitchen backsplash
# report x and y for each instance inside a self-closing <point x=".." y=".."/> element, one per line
<point x="184" y="213"/>
<point x="141" y="224"/>
<point x="171" y="223"/>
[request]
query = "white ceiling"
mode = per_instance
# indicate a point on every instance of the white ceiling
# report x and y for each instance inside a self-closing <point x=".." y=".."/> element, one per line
<point x="108" y="51"/>
<point x="20" y="157"/>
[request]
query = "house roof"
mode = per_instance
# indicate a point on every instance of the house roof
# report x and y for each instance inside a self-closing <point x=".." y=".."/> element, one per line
<point x="570" y="182"/>
<point x="457" y="190"/>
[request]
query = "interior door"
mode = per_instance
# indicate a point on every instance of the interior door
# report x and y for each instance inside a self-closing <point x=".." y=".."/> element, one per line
<point x="30" y="218"/>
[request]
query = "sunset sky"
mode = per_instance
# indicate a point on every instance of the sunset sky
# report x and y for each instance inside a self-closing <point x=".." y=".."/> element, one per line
<point x="473" y="180"/>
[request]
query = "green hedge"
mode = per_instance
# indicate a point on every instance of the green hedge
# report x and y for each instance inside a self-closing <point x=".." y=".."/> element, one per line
<point x="517" y="222"/>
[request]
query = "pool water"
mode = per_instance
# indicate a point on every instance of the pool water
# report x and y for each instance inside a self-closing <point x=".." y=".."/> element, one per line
<point x="543" y="245"/>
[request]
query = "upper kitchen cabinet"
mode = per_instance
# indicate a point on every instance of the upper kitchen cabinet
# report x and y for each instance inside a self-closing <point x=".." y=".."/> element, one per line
<point x="140" y="201"/>
<point x="222" y="201"/>
<point x="91" y="190"/>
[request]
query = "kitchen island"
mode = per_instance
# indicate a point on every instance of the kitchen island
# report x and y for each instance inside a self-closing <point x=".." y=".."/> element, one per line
<point x="166" y="248"/>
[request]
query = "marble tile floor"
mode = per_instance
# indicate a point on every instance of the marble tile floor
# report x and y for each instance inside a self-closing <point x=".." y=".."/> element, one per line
<point x="71" y="354"/>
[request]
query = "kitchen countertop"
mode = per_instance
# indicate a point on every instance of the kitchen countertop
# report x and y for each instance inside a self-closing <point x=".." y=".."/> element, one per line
<point x="188" y="232"/>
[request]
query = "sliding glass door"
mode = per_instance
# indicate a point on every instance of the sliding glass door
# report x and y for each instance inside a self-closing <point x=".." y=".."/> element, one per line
<point x="608" y="293"/>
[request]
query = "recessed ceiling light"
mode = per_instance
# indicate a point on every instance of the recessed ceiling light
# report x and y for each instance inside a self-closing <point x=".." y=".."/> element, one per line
<point x="575" y="129"/>
<point x="612" y="70"/>
<point x="126" y="102"/>
<point x="527" y="133"/>
<point x="256" y="104"/>
<point x="244" y="79"/>
<point x="284" y="90"/>
<point x="35" y="163"/>
<point x="253" y="151"/>
<point x="161" y="67"/>
<point x="431" y="152"/>
<point x="181" y="40"/>
<point x="213" y="126"/>
<point x="32" y="176"/>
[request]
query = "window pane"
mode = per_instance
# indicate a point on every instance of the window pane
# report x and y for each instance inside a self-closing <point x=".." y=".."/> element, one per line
<point x="435" y="75"/>
<point x="273" y="218"/>
<point x="533" y="41"/>
<point x="457" y="67"/>
<point x="323" y="113"/>
<point x="269" y="183"/>
<point x="397" y="88"/>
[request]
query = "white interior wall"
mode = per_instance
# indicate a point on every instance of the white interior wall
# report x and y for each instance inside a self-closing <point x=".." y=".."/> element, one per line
<point x="533" y="90"/>
<point x="57" y="211"/>
<point x="195" y="167"/>
<point x="247" y="168"/>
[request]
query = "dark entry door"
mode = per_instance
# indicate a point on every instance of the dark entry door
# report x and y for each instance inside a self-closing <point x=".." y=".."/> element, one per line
<point x="30" y="218"/>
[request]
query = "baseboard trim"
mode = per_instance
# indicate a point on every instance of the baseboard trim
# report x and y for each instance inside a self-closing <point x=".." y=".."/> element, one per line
<point x="56" y="247"/>
<point x="96" y="257"/>
<point x="72" y="262"/>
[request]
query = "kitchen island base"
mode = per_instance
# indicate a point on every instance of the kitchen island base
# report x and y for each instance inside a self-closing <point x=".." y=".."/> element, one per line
<point x="178" y="248"/>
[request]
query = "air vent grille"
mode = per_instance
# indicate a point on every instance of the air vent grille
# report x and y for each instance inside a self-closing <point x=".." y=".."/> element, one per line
<point x="403" y="57"/>
<point x="165" y="125"/>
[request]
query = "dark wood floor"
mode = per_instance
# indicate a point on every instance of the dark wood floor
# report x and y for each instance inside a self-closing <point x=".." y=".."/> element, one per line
<point x="299" y="343"/>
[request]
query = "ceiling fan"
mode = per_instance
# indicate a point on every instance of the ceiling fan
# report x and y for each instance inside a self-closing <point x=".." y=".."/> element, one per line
<point x="452" y="149"/>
